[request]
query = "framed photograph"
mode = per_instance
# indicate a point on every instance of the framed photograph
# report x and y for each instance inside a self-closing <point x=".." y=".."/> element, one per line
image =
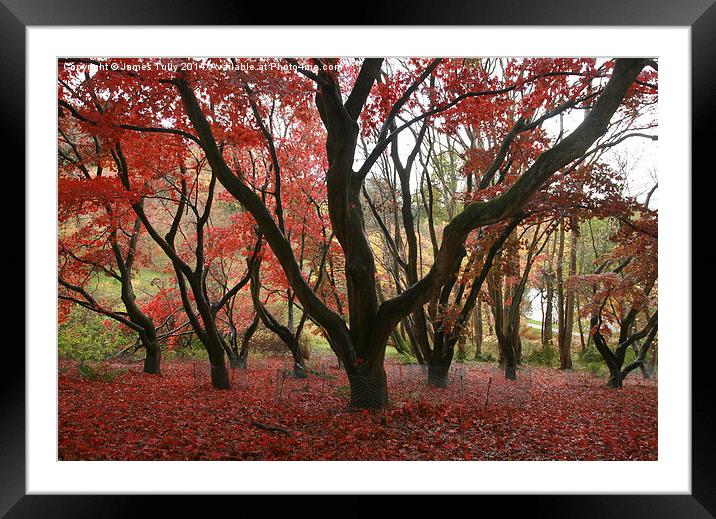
<point x="416" y="254"/>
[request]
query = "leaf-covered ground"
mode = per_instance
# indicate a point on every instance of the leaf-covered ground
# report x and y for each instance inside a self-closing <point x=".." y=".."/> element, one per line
<point x="545" y="415"/>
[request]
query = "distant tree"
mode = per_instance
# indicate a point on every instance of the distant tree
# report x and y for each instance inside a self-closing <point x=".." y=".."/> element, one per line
<point x="623" y="292"/>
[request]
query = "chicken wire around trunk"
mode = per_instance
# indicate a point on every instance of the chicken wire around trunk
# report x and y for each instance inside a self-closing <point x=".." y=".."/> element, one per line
<point x="368" y="391"/>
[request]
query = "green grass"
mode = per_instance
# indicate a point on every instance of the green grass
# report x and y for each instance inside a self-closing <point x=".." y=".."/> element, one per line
<point x="535" y="322"/>
<point x="109" y="288"/>
<point x="555" y="327"/>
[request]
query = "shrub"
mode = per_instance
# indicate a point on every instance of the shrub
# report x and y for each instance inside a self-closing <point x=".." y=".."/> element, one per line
<point x="99" y="371"/>
<point x="595" y="368"/>
<point x="266" y="342"/>
<point x="484" y="357"/>
<point x="403" y="357"/>
<point x="87" y="336"/>
<point x="530" y="333"/>
<point x="460" y="356"/>
<point x="545" y="356"/>
<point x="592" y="361"/>
<point x="311" y="343"/>
<point x="591" y="354"/>
<point x="193" y="349"/>
<point x="490" y="347"/>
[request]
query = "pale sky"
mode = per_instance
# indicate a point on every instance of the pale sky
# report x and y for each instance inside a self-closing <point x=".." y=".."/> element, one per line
<point x="638" y="154"/>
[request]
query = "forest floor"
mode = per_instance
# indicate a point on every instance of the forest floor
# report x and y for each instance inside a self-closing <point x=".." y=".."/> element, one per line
<point x="546" y="414"/>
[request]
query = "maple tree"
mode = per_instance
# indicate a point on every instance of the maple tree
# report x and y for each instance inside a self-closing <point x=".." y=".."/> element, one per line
<point x="623" y="295"/>
<point x="295" y="142"/>
<point x="178" y="183"/>
<point x="496" y="146"/>
<point x="100" y="239"/>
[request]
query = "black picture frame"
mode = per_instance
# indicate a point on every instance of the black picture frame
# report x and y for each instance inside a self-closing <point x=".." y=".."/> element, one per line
<point x="16" y="16"/>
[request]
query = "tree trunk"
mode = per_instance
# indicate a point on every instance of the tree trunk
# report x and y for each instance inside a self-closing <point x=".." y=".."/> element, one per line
<point x="152" y="359"/>
<point x="212" y="340"/>
<point x="215" y="348"/>
<point x="651" y="367"/>
<point x="490" y="324"/>
<point x="516" y="340"/>
<point x="233" y="351"/>
<point x="289" y="319"/>
<point x="613" y="362"/>
<point x="565" y="359"/>
<point x="439" y="362"/>
<point x="461" y="353"/>
<point x="415" y="348"/>
<point x="511" y="350"/>
<point x="477" y="325"/>
<point x="369" y="387"/>
<point x="299" y="365"/>
<point x="282" y="332"/>
<point x="615" y="377"/>
<point x="245" y="340"/>
<point x="233" y="361"/>
<point x="242" y="361"/>
<point x="579" y="323"/>
<point x="502" y="330"/>
<point x="230" y="353"/>
<point x="510" y="364"/>
<point x="438" y="376"/>
<point x="219" y="375"/>
<point x="547" y="335"/>
<point x="569" y="299"/>
<point x="644" y="371"/>
<point x="148" y="335"/>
